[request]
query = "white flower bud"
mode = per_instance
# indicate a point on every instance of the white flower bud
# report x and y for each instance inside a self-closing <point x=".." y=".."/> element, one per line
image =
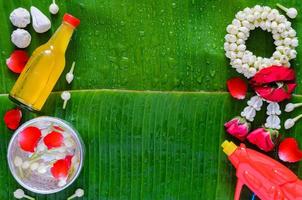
<point x="53" y="8"/>
<point x="18" y="161"/>
<point x="289" y="107"/>
<point x="292" y="13"/>
<point x="25" y="164"/>
<point x="233" y="47"/>
<point x="295" y="42"/>
<point x="289" y="123"/>
<point x="34" y="166"/>
<point x="79" y="192"/>
<point x="19" y="194"/>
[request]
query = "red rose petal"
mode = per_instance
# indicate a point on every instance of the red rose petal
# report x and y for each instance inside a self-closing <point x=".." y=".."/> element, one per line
<point x="237" y="87"/>
<point x="29" y="138"/>
<point x="53" y="140"/>
<point x="12" y="118"/>
<point x="17" y="61"/>
<point x="289" y="150"/>
<point x="61" y="168"/>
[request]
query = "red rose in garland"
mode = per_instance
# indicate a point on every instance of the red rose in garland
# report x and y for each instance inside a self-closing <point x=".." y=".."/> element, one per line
<point x="275" y="83"/>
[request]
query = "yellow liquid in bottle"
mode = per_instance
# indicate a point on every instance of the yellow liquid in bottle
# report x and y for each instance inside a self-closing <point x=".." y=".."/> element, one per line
<point x="42" y="71"/>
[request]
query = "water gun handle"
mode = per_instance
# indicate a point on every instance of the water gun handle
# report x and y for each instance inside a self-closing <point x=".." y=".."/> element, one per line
<point x="266" y="177"/>
<point x="238" y="189"/>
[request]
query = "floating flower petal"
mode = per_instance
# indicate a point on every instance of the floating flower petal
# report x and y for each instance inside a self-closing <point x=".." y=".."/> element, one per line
<point x="53" y="140"/>
<point x="29" y="138"/>
<point x="60" y="168"/>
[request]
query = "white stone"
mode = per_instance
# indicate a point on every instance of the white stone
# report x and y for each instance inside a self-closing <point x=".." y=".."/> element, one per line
<point x="41" y="23"/>
<point x="21" y="38"/>
<point x="20" y="17"/>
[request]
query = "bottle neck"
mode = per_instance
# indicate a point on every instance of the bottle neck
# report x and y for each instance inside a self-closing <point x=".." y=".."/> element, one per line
<point x="61" y="37"/>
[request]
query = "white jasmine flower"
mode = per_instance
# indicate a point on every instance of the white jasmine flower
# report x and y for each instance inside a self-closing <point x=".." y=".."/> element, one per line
<point x="233" y="47"/>
<point x="290" y="12"/>
<point x="294" y="42"/>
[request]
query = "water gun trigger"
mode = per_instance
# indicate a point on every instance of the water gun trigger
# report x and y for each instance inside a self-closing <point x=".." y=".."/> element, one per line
<point x="238" y="189"/>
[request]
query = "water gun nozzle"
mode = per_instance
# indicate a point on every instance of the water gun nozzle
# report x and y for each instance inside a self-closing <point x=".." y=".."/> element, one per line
<point x="228" y="147"/>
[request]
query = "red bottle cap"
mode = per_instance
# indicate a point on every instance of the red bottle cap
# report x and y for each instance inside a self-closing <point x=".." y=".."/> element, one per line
<point x="71" y="20"/>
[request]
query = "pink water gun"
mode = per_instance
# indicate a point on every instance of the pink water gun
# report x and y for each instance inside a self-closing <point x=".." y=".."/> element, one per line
<point x="267" y="178"/>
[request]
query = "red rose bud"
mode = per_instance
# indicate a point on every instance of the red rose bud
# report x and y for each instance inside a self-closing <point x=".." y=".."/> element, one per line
<point x="263" y="138"/>
<point x="237" y="127"/>
<point x="275" y="83"/>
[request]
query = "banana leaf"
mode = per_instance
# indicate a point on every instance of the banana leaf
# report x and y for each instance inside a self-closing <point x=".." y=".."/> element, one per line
<point x="149" y="96"/>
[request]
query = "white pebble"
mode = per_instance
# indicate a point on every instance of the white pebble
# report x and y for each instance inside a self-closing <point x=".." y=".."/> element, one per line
<point x="41" y="23"/>
<point x="21" y="38"/>
<point x="20" y="17"/>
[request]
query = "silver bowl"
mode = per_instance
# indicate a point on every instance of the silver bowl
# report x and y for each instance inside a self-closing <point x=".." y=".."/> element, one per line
<point x="42" y="188"/>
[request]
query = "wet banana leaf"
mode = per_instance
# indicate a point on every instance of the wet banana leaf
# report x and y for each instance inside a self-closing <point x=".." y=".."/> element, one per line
<point x="149" y="96"/>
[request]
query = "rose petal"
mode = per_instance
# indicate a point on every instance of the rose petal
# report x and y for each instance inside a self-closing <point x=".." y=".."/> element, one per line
<point x="237" y="87"/>
<point x="29" y="138"/>
<point x="17" y="61"/>
<point x="53" y="140"/>
<point x="12" y="118"/>
<point x="60" y="168"/>
<point x="289" y="150"/>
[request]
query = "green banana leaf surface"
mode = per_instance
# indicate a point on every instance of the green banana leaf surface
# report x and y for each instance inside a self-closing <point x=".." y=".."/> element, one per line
<point x="149" y="96"/>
